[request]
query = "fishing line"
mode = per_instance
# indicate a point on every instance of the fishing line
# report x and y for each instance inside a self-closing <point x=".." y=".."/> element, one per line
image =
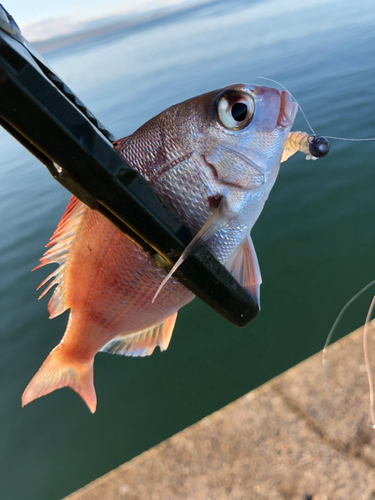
<point x="367" y="361"/>
<point x="352" y="140"/>
<point x="365" y="344"/>
<point x="329" y="337"/>
<point x="292" y="96"/>
<point x="307" y="121"/>
<point x="343" y="310"/>
<point x="372" y="306"/>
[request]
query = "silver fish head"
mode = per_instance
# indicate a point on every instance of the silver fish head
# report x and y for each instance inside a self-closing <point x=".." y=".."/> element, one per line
<point x="240" y="131"/>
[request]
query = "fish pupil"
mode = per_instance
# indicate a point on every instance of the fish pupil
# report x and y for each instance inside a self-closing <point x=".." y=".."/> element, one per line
<point x="239" y="111"/>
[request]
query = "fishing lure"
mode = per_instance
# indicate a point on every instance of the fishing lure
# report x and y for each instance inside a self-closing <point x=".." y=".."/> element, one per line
<point x="313" y="146"/>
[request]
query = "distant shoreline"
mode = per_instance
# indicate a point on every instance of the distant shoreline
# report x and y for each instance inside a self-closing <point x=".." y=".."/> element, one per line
<point x="113" y="26"/>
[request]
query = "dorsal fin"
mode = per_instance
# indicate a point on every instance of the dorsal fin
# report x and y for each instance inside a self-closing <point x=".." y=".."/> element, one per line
<point x="244" y="267"/>
<point x="61" y="240"/>
<point x="143" y="343"/>
<point x="119" y="143"/>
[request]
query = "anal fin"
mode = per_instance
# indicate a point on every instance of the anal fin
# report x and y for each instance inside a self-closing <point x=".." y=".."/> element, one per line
<point x="143" y="343"/>
<point x="244" y="267"/>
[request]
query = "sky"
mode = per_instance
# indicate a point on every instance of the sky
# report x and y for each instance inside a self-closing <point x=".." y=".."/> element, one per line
<point x="43" y="19"/>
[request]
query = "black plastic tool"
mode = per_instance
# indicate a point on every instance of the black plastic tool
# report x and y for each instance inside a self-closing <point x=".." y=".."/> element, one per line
<point x="46" y="117"/>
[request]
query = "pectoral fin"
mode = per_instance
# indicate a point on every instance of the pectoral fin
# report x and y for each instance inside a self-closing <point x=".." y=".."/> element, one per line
<point x="244" y="267"/>
<point x="220" y="218"/>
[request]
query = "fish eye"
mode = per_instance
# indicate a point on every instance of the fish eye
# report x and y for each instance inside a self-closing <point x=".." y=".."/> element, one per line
<point x="235" y="110"/>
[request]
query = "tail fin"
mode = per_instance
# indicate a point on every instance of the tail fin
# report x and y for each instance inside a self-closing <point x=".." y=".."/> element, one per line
<point x="56" y="372"/>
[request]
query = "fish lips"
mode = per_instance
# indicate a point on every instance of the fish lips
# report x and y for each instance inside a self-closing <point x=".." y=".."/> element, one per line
<point x="274" y="108"/>
<point x="288" y="111"/>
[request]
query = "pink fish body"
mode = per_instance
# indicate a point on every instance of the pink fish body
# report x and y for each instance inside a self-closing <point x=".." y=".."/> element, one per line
<point x="214" y="159"/>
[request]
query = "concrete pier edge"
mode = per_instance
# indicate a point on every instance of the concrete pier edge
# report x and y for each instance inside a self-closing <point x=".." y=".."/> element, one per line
<point x="305" y="435"/>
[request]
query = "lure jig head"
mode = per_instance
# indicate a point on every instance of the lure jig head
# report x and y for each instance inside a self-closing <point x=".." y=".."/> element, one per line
<point x="318" y="146"/>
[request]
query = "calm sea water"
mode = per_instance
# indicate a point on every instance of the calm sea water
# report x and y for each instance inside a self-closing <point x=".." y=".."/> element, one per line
<point x="315" y="239"/>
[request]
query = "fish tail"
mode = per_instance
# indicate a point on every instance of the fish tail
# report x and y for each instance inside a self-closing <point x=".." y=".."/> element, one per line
<point x="58" y="371"/>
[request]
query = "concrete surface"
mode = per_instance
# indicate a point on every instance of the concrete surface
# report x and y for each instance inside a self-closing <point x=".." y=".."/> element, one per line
<point x="304" y="435"/>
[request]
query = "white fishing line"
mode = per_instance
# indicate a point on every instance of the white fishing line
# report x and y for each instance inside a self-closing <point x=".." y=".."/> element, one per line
<point x="365" y="344"/>
<point x="367" y="361"/>
<point x="307" y="121"/>
<point x="342" y="312"/>
<point x="292" y="96"/>
<point x="347" y="139"/>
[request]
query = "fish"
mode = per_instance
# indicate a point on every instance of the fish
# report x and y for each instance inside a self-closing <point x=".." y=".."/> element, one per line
<point x="214" y="159"/>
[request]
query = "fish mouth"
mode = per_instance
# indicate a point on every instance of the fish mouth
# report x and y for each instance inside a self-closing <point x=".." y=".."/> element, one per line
<point x="288" y="110"/>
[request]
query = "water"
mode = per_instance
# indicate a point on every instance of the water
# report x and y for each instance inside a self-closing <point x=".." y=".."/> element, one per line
<point x="315" y="238"/>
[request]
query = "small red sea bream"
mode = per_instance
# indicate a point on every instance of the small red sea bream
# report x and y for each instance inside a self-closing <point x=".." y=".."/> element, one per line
<point x="214" y="159"/>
